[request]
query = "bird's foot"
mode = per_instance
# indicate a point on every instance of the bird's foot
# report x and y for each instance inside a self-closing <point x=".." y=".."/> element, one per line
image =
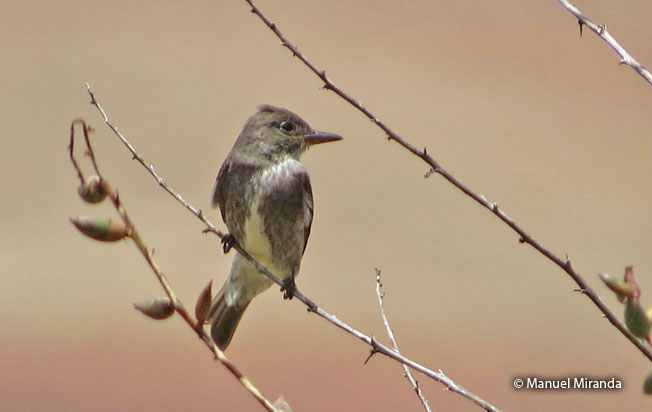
<point x="227" y="242"/>
<point x="288" y="288"/>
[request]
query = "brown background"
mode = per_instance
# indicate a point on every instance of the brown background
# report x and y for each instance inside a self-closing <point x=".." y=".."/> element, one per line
<point x="505" y="95"/>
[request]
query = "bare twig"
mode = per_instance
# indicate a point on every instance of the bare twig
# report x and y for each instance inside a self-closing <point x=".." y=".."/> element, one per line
<point x="601" y="31"/>
<point x="177" y="304"/>
<point x="415" y="385"/>
<point x="150" y="168"/>
<point x="376" y="347"/>
<point x="435" y="167"/>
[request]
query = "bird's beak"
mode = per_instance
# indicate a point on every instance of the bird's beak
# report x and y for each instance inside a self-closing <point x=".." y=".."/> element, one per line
<point x="317" y="137"/>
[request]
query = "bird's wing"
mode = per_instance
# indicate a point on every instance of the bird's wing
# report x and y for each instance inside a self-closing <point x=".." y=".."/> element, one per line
<point x="217" y="196"/>
<point x="309" y="208"/>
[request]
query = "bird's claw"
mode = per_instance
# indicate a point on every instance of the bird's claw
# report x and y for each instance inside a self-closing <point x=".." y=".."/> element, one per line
<point x="227" y="242"/>
<point x="288" y="288"/>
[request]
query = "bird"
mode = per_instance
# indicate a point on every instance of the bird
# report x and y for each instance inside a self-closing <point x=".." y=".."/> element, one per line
<point x="265" y="199"/>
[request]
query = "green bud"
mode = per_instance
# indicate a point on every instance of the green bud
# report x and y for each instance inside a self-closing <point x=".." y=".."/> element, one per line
<point x="636" y="319"/>
<point x="647" y="384"/>
<point x="621" y="288"/>
<point x="282" y="405"/>
<point x="103" y="228"/>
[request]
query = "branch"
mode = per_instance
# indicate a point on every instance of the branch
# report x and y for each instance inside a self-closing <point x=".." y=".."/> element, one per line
<point x="390" y="333"/>
<point x="150" y="168"/>
<point x="178" y="306"/>
<point x="524" y="237"/>
<point x="601" y="31"/>
<point x="376" y="347"/>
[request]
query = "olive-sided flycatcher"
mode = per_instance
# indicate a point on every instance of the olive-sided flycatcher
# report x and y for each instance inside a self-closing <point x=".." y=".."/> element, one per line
<point x="265" y="199"/>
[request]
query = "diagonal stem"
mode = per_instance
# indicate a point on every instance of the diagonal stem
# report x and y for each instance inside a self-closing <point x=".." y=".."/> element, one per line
<point x="524" y="237"/>
<point x="140" y="244"/>
<point x="376" y="347"/>
<point x="602" y="32"/>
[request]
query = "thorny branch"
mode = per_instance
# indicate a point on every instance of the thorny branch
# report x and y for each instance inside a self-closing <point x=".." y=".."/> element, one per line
<point x="376" y="347"/>
<point x="390" y="333"/>
<point x="176" y="303"/>
<point x="435" y="167"/>
<point x="601" y="31"/>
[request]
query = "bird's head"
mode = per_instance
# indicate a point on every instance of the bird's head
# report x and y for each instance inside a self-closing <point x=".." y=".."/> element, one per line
<point x="275" y="133"/>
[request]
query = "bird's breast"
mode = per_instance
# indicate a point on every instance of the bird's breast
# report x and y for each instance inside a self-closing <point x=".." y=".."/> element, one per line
<point x="281" y="174"/>
<point x="274" y="227"/>
<point x="256" y="241"/>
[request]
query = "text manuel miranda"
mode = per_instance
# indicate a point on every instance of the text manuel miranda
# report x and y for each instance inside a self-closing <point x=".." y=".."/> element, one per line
<point x="577" y="382"/>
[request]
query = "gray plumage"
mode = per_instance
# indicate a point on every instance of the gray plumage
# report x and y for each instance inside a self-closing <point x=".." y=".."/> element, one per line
<point x="265" y="199"/>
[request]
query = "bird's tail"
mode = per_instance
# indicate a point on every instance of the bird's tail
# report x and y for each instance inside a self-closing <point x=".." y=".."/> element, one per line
<point x="224" y="319"/>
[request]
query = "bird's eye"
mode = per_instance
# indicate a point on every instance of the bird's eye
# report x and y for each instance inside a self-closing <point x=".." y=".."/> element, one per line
<point x="287" y="127"/>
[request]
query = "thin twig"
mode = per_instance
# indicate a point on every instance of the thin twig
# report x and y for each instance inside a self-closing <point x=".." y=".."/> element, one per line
<point x="524" y="237"/>
<point x="376" y="347"/>
<point x="415" y="385"/>
<point x="177" y="304"/>
<point x="601" y="31"/>
<point x="150" y="167"/>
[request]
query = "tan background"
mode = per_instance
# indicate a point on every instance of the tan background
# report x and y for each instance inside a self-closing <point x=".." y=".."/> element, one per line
<point x="505" y="95"/>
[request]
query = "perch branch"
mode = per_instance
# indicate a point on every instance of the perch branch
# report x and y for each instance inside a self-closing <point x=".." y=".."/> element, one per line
<point x="524" y="237"/>
<point x="376" y="347"/>
<point x="601" y="31"/>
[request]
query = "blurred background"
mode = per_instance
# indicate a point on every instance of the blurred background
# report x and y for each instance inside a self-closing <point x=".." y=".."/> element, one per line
<point x="506" y="96"/>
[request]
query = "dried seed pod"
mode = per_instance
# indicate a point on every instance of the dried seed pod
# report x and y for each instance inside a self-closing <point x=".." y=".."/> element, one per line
<point x="93" y="190"/>
<point x="203" y="305"/>
<point x="156" y="308"/>
<point x="103" y="228"/>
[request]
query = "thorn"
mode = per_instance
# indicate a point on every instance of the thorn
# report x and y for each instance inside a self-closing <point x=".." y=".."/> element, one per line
<point x="581" y="25"/>
<point x="322" y="74"/>
<point x="494" y="207"/>
<point x="425" y="151"/>
<point x="389" y="138"/>
<point x="312" y="309"/>
<point x="429" y="173"/>
<point x="372" y="352"/>
<point x="582" y="291"/>
<point x="521" y="239"/>
<point x="622" y="61"/>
